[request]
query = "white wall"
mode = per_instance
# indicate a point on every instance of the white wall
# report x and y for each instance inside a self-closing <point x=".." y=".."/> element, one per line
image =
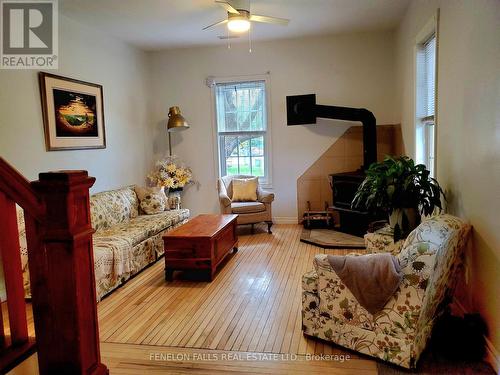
<point x="350" y="70"/>
<point x="89" y="56"/>
<point x="468" y="130"/>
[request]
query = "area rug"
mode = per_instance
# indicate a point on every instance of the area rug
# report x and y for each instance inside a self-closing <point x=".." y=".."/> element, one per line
<point x="331" y="239"/>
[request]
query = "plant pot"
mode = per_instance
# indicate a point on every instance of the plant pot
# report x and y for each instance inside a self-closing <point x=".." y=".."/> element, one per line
<point x="406" y="218"/>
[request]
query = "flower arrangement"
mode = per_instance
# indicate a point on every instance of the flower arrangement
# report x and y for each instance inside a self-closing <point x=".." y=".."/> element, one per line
<point x="171" y="174"/>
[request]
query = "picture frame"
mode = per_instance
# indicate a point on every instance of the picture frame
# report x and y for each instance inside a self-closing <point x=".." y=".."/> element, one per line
<point x="73" y="113"/>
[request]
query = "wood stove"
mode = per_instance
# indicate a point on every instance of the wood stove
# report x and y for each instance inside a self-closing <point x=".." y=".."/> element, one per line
<point x="301" y="110"/>
<point x="344" y="187"/>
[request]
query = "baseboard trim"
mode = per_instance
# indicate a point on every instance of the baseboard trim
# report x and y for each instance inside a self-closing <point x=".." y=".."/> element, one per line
<point x="285" y="220"/>
<point x="492" y="354"/>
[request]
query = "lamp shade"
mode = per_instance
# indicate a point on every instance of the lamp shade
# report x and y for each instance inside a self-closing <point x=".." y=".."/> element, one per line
<point x="176" y="122"/>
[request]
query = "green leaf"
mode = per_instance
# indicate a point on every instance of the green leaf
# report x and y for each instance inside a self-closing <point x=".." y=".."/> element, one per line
<point x="399" y="183"/>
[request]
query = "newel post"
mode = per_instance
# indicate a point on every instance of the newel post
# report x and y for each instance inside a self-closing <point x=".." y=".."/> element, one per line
<point x="62" y="277"/>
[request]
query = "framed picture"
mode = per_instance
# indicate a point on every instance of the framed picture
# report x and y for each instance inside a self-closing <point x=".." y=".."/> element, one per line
<point x="73" y="113"/>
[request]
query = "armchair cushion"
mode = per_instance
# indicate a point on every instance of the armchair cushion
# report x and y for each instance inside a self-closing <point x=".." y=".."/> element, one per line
<point x="310" y="282"/>
<point x="247" y="207"/>
<point x="372" y="278"/>
<point x="245" y="189"/>
<point x="398" y="318"/>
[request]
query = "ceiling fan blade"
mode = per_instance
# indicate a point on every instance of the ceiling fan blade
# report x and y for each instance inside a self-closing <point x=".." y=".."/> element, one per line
<point x="223" y="37"/>
<point x="267" y="19"/>
<point x="215" y="24"/>
<point x="227" y="6"/>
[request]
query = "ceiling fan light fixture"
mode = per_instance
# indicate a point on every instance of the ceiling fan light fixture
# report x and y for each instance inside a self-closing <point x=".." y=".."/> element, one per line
<point x="238" y="24"/>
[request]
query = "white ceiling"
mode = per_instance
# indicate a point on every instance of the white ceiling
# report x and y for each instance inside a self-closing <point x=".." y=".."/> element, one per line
<point x="158" y="24"/>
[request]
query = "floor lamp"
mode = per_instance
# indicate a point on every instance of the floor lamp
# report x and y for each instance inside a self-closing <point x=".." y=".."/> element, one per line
<point x="176" y="123"/>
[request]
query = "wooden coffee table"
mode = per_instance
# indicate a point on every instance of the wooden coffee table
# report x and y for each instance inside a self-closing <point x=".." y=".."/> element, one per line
<point x="200" y="244"/>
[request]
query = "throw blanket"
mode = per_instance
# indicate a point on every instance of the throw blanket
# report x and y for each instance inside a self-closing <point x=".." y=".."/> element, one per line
<point x="372" y="279"/>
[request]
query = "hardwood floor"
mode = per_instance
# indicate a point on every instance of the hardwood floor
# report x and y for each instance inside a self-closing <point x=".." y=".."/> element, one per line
<point x="246" y="321"/>
<point x="253" y="305"/>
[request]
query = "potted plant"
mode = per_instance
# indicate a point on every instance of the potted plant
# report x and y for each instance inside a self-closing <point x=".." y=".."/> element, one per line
<point x="401" y="188"/>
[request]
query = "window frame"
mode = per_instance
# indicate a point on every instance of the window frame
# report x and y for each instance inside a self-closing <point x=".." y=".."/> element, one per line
<point x="426" y="126"/>
<point x="266" y="180"/>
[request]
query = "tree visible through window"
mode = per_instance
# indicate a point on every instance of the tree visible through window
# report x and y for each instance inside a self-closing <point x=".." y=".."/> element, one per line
<point x="242" y="128"/>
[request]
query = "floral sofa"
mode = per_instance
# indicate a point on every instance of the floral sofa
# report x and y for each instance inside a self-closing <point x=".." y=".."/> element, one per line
<point x="125" y="239"/>
<point x="430" y="259"/>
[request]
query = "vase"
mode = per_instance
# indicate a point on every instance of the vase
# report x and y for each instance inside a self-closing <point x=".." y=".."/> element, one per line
<point x="174" y="199"/>
<point x="406" y="219"/>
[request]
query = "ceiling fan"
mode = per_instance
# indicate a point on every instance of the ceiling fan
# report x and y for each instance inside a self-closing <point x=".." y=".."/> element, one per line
<point x="239" y="17"/>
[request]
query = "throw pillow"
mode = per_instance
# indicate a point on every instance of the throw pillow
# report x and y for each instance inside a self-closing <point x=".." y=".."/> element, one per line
<point x="245" y="189"/>
<point x="152" y="200"/>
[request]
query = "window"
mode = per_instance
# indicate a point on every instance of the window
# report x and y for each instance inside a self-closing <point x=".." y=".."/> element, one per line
<point x="425" y="102"/>
<point x="241" y="113"/>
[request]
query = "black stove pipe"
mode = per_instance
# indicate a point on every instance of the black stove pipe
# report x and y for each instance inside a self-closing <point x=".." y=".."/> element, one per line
<point x="302" y="109"/>
<point x="355" y="114"/>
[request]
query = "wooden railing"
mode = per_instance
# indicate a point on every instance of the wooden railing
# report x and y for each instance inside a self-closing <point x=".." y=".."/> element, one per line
<point x="60" y="256"/>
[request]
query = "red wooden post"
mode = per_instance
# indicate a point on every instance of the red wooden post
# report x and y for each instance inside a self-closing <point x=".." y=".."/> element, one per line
<point x="2" y="330"/>
<point x="62" y="276"/>
<point x="11" y="258"/>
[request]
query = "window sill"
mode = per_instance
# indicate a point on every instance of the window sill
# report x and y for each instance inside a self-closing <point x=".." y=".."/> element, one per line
<point x="266" y="186"/>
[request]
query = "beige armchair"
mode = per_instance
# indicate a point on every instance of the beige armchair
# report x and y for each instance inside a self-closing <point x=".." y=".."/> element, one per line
<point x="248" y="212"/>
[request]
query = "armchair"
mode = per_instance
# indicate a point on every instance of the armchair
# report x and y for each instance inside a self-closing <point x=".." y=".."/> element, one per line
<point x="430" y="259"/>
<point x="248" y="212"/>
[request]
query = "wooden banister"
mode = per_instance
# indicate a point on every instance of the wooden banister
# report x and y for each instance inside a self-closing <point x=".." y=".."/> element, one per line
<point x="18" y="189"/>
<point x="61" y="263"/>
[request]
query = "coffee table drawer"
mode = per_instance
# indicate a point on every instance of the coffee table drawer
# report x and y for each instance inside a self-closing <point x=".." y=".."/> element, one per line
<point x="224" y="243"/>
<point x="181" y="248"/>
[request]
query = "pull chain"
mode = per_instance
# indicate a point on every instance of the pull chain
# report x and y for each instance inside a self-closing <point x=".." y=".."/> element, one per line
<point x="249" y="41"/>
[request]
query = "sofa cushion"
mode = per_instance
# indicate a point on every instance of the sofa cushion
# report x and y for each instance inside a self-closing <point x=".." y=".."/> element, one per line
<point x="109" y="208"/>
<point x="125" y="249"/>
<point x="156" y="223"/>
<point x="152" y="199"/>
<point x="247" y="207"/>
<point x="142" y="227"/>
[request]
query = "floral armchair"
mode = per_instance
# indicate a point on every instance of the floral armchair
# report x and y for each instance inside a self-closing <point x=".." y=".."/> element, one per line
<point x="430" y="259"/>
